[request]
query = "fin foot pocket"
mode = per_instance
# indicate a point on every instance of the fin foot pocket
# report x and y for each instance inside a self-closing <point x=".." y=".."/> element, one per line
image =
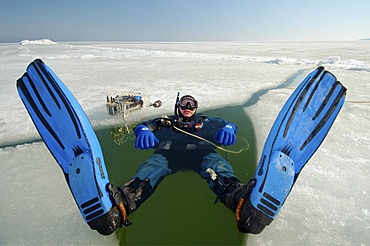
<point x="252" y="220"/>
<point x="108" y="223"/>
<point x="249" y="219"/>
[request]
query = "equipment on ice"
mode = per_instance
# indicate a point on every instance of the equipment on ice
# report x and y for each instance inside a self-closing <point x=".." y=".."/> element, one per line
<point x="123" y="102"/>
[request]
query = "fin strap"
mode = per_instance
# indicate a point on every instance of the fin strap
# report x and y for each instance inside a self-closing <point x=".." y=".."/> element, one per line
<point x="246" y="191"/>
<point x="123" y="213"/>
<point x="117" y="200"/>
<point x="238" y="208"/>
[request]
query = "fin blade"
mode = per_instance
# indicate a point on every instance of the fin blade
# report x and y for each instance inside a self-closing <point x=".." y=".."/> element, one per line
<point x="54" y="118"/>
<point x="296" y="134"/>
<point x="69" y="136"/>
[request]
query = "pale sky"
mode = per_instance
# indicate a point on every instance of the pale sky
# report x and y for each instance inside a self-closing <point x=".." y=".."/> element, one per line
<point x="187" y="20"/>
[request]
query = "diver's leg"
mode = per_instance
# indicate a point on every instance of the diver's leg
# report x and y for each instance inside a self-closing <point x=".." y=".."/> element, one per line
<point x="132" y="194"/>
<point x="144" y="182"/>
<point x="230" y="191"/>
<point x="221" y="179"/>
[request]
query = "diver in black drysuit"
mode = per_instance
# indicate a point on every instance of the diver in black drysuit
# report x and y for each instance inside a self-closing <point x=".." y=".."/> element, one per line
<point x="177" y="149"/>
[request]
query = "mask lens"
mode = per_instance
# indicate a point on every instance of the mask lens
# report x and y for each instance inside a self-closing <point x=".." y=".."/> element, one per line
<point x="188" y="103"/>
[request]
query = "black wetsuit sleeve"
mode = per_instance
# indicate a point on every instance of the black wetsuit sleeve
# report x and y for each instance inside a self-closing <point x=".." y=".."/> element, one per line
<point x="219" y="122"/>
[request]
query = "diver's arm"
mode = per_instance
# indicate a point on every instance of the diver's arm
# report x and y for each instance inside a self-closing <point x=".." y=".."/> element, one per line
<point x="226" y="133"/>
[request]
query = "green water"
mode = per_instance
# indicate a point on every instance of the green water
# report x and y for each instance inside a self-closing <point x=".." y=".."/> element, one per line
<point x="181" y="210"/>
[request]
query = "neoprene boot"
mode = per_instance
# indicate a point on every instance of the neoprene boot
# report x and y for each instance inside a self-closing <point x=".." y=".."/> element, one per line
<point x="235" y="195"/>
<point x="135" y="192"/>
<point x="126" y="198"/>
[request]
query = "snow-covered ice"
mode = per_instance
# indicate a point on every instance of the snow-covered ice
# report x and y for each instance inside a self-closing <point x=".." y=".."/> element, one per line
<point x="330" y="201"/>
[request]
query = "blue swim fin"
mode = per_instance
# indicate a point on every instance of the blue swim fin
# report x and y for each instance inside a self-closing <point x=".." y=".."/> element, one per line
<point x="69" y="136"/>
<point x="297" y="133"/>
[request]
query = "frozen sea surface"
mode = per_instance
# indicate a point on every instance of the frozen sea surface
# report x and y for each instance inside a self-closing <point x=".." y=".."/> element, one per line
<point x="330" y="201"/>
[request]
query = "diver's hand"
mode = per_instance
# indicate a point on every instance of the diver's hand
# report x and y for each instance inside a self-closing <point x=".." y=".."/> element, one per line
<point x="227" y="134"/>
<point x="145" y="139"/>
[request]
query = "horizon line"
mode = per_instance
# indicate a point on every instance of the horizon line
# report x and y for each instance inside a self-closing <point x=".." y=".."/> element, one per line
<point x="180" y="41"/>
